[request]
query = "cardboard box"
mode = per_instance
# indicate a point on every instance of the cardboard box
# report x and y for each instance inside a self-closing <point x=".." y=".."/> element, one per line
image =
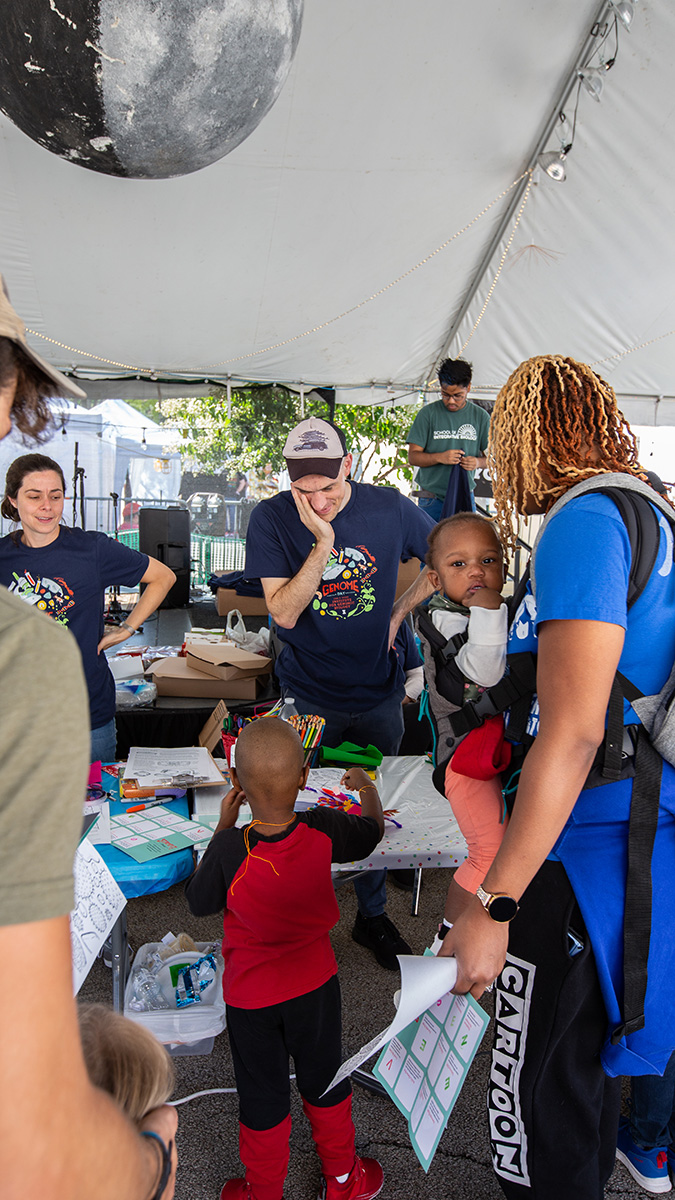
<point x="210" y="734"/>
<point x="174" y="677"/>
<point x="249" y="606"/>
<point x="227" y="661"/>
<point x="407" y="574"/>
<point x="212" y="637"/>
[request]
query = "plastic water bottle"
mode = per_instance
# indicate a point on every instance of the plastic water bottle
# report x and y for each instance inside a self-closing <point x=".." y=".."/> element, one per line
<point x="288" y="709"/>
<point x="147" y="994"/>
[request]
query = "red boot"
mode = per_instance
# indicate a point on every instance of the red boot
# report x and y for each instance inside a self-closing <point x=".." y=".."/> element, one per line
<point x="333" y="1133"/>
<point x="363" y="1182"/>
<point x="264" y="1153"/>
<point x="236" y="1189"/>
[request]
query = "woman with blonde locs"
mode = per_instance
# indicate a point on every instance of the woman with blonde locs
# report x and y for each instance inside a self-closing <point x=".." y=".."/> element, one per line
<point x="554" y="895"/>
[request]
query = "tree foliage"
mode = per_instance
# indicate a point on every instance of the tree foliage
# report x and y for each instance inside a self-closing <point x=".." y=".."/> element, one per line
<point x="260" y="419"/>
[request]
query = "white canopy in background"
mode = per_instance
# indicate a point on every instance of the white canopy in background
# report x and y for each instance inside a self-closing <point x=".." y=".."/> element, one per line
<point x="107" y="443"/>
<point x="144" y="450"/>
<point x="399" y="123"/>
<point x="74" y="427"/>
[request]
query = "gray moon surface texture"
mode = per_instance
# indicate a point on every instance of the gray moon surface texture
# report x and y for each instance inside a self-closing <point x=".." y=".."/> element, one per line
<point x="146" y="89"/>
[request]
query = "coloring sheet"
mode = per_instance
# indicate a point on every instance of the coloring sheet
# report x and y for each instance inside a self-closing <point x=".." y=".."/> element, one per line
<point x="157" y="766"/>
<point x="98" y="903"/>
<point x="153" y="832"/>
<point x="424" y="1066"/>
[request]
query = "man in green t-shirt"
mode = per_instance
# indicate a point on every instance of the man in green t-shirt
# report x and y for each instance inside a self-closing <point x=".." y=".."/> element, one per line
<point x="449" y="431"/>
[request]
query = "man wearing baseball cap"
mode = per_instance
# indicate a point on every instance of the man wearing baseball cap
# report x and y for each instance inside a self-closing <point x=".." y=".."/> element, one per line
<point x="328" y="553"/>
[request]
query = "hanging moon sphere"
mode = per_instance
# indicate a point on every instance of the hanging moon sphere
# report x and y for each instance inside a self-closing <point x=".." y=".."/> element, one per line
<point x="146" y="89"/>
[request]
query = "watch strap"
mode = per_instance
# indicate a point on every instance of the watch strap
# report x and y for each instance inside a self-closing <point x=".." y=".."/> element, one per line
<point x="166" y="1162"/>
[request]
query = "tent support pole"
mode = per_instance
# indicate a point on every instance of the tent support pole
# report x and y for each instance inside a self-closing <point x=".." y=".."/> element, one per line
<point x="571" y="78"/>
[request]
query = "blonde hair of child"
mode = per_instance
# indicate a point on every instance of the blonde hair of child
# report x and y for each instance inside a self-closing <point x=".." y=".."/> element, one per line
<point x="125" y="1060"/>
<point x="555" y="422"/>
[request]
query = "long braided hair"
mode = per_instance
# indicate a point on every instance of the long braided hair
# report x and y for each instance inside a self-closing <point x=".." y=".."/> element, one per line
<point x="555" y="422"/>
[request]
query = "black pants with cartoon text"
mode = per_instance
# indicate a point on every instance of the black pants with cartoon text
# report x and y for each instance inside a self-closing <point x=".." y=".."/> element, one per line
<point x="553" y="1112"/>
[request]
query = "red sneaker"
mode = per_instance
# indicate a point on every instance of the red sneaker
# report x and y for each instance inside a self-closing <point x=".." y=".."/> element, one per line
<point x="363" y="1182"/>
<point x="236" y="1189"/>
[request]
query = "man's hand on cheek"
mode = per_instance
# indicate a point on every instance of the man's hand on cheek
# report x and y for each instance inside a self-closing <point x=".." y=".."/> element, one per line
<point x="322" y="530"/>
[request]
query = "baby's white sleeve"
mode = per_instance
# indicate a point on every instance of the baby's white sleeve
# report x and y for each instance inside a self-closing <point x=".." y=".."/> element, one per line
<point x="483" y="658"/>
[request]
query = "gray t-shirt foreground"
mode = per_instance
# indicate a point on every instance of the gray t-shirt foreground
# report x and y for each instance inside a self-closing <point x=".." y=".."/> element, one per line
<point x="44" y="759"/>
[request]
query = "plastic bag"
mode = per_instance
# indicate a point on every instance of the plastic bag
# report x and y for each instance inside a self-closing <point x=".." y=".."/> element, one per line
<point x="257" y="643"/>
<point x="134" y="693"/>
<point x="178" y="1026"/>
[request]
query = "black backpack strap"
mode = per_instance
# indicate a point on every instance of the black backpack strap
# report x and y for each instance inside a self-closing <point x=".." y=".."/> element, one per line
<point x="514" y="691"/>
<point x="449" y="679"/>
<point x="642" y="526"/>
<point x="644" y="815"/>
<point x="514" y="602"/>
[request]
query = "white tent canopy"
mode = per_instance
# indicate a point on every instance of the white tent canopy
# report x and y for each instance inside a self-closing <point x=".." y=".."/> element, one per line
<point x="398" y="125"/>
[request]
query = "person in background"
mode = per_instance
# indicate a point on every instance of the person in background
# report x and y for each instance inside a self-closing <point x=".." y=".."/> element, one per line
<point x="61" y="1137"/>
<point x="64" y="573"/>
<point x="448" y="432"/>
<point x="125" y="1059"/>
<point x="328" y="553"/>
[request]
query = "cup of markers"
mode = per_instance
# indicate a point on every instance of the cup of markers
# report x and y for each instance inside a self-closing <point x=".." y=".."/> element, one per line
<point x="310" y="728"/>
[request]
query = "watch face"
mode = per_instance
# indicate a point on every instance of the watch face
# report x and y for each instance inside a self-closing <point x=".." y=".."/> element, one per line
<point x="503" y="908"/>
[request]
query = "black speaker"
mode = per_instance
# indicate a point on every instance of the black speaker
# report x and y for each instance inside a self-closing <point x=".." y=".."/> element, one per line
<point x="164" y="533"/>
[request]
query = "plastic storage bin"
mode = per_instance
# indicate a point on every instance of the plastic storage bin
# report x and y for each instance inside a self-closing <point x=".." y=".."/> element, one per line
<point x="190" y="1030"/>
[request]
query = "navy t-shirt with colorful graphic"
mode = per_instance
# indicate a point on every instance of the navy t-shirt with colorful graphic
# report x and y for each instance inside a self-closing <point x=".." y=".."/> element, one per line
<point x="338" y="650"/>
<point x="67" y="581"/>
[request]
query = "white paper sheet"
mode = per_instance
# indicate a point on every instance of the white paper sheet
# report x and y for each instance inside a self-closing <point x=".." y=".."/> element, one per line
<point x="424" y="979"/>
<point x="153" y="766"/>
<point x="99" y="834"/>
<point x="98" y="903"/>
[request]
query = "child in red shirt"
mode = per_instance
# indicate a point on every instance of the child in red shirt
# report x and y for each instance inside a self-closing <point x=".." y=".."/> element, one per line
<point x="273" y="880"/>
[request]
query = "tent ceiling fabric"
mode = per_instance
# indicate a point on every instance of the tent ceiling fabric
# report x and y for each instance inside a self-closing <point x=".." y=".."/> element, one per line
<point x="397" y="125"/>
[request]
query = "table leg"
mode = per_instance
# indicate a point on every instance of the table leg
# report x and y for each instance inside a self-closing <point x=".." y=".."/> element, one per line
<point x="417" y="888"/>
<point x="119" y="945"/>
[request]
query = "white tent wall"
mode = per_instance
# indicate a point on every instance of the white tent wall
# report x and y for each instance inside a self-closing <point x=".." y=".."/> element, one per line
<point x="398" y="125"/>
<point x="153" y="474"/>
<point x="153" y="468"/>
<point x="95" y="454"/>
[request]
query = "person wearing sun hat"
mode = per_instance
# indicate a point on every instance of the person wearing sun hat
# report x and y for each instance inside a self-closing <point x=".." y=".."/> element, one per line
<point x="58" y="1142"/>
<point x="328" y="553"/>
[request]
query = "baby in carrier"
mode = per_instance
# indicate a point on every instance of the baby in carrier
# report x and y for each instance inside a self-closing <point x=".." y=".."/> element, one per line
<point x="466" y="565"/>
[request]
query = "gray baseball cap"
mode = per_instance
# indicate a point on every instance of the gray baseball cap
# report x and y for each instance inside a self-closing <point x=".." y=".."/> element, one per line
<point x="315" y="447"/>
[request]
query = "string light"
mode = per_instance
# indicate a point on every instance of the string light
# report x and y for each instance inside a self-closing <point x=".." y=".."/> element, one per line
<point x="298" y="336"/>
<point x="501" y="264"/>
<point x="631" y="349"/>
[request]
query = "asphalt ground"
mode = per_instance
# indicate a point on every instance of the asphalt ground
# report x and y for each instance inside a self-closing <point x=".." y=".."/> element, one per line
<point x="208" y="1132"/>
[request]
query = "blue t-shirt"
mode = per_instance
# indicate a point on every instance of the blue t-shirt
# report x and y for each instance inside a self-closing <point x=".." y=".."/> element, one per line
<point x="67" y="581"/>
<point x="581" y="572"/>
<point x="337" y="653"/>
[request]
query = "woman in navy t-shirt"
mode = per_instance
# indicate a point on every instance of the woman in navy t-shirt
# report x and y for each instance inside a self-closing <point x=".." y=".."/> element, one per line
<point x="64" y="572"/>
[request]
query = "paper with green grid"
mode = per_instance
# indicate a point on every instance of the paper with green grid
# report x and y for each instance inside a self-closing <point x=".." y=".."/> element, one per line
<point x="424" y="1067"/>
